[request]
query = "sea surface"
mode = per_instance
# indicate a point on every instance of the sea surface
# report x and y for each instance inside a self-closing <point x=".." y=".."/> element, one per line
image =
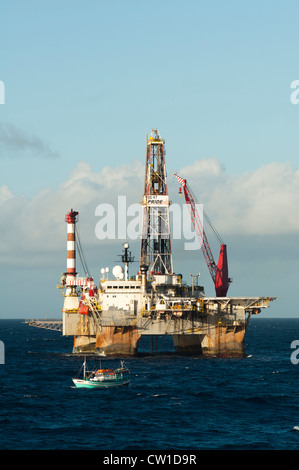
<point x="173" y="402"/>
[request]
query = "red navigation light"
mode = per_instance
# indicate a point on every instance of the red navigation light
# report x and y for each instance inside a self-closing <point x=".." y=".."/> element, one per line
<point x="71" y="217"/>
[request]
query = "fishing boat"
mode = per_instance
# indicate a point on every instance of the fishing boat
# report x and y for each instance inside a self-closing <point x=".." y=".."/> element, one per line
<point x="103" y="378"/>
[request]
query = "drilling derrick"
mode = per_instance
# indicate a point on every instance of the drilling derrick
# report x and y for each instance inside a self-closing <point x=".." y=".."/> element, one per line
<point x="156" y="254"/>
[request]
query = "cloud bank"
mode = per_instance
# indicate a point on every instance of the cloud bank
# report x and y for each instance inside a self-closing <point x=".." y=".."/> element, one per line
<point x="262" y="202"/>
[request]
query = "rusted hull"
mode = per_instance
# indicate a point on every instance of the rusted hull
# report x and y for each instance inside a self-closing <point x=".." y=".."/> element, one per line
<point x="219" y="341"/>
<point x="118" y="340"/>
<point x="224" y="342"/>
<point x="112" y="341"/>
<point x="84" y="344"/>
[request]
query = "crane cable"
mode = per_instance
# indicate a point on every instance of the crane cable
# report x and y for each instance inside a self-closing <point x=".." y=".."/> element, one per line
<point x="216" y="233"/>
<point x="213" y="228"/>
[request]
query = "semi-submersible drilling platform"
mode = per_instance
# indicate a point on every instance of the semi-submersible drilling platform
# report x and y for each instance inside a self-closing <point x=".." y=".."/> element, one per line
<point x="110" y="318"/>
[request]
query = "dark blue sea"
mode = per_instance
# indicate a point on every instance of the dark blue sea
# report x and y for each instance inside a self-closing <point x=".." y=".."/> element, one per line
<point x="172" y="403"/>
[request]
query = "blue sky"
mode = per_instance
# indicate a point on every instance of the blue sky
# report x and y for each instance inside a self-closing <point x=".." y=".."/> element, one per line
<point x="86" y="81"/>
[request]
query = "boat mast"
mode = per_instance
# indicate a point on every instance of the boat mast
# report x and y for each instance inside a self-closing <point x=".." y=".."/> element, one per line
<point x="84" y="368"/>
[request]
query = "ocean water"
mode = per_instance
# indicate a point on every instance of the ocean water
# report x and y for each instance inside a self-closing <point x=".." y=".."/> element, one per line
<point x="173" y="402"/>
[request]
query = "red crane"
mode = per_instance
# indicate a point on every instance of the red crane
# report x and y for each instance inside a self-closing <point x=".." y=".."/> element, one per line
<point x="218" y="273"/>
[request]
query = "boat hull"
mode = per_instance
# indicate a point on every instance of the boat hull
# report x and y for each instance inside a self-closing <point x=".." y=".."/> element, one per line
<point x="80" y="383"/>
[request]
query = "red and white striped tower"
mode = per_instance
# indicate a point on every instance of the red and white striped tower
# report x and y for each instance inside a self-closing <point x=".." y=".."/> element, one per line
<point x="71" y="218"/>
<point x="71" y="301"/>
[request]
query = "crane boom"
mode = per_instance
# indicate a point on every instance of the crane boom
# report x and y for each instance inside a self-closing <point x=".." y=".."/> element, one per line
<point x="218" y="273"/>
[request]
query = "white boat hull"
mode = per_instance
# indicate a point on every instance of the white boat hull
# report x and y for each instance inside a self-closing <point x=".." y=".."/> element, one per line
<point x="81" y="383"/>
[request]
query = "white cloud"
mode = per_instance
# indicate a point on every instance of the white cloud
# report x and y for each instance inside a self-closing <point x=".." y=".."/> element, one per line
<point x="206" y="167"/>
<point x="5" y="193"/>
<point x="264" y="201"/>
<point x="33" y="227"/>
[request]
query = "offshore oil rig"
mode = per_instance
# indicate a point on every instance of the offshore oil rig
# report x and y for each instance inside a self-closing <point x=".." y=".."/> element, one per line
<point x="110" y="317"/>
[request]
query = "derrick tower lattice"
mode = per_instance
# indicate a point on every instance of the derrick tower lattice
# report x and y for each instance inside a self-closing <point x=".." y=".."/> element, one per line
<point x="156" y="256"/>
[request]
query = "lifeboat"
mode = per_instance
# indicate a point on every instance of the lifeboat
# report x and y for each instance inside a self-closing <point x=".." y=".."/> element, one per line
<point x="83" y="310"/>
